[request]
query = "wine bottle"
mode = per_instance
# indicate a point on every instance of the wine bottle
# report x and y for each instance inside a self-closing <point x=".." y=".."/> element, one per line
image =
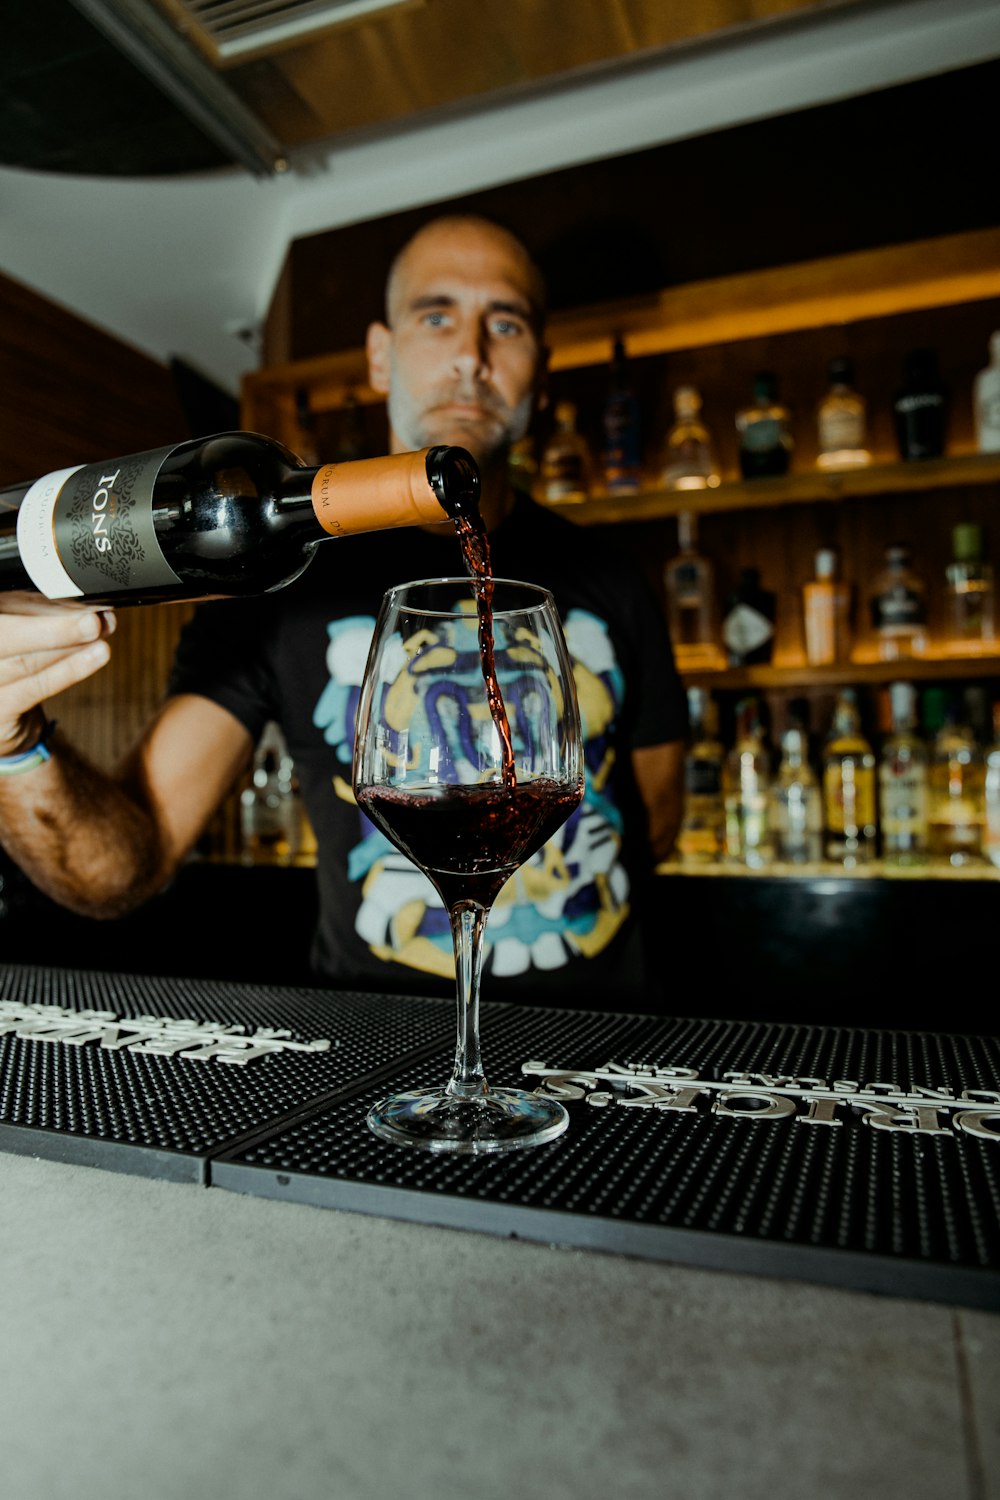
<point x="228" y="515"/>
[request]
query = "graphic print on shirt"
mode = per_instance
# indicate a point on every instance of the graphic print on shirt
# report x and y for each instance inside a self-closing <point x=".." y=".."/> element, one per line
<point x="570" y="898"/>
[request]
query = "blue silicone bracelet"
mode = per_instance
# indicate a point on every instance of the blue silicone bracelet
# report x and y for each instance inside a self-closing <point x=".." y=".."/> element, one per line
<point x="13" y="765"/>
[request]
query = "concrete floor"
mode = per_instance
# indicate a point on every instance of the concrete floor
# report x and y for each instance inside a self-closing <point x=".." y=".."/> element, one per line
<point x="169" y="1342"/>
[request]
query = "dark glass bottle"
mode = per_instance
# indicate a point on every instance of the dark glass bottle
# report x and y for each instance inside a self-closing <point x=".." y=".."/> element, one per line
<point x="622" y="457"/>
<point x="234" y="514"/>
<point x="920" y="407"/>
<point x="764" y="429"/>
<point x="748" y="622"/>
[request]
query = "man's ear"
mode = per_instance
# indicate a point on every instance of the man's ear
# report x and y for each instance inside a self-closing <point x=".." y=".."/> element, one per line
<point x="378" y="344"/>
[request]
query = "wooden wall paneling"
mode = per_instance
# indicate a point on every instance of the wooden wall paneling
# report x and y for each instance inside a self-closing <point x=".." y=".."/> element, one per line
<point x="105" y="714"/>
<point x="71" y="393"/>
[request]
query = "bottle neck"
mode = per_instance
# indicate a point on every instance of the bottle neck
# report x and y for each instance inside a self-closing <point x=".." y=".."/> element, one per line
<point x="402" y="489"/>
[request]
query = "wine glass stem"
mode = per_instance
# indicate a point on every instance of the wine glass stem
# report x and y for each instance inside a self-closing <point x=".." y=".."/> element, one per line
<point x="468" y="928"/>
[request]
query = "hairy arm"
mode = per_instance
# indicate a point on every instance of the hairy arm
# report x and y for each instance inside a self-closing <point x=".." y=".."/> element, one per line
<point x="659" y="775"/>
<point x="101" y="843"/>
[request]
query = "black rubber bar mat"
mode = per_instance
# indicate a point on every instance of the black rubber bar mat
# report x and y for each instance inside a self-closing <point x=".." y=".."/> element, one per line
<point x="152" y="1076"/>
<point x="869" y="1160"/>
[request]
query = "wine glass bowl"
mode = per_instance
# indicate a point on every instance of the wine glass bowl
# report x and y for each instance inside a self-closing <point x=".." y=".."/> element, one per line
<point x="468" y="756"/>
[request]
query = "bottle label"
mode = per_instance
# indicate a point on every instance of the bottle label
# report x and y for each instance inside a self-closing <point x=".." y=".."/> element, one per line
<point x="89" y="530"/>
<point x="745" y="629"/>
<point x="841" y="429"/>
<point x="703" y="777"/>
<point x="762" y="435"/>
<point x="897" y="607"/>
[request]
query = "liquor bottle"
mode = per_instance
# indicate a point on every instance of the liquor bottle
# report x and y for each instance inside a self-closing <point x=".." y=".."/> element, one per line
<point x="764" y="429"/>
<point x="991" y="793"/>
<point x="269" y="814"/>
<point x="689" y="582"/>
<point x="956" y="791"/>
<point x="826" y="612"/>
<point x="899" y="606"/>
<point x="234" y="514"/>
<point x="522" y="465"/>
<point x="841" y="420"/>
<point x="969" y="594"/>
<point x="986" y="401"/>
<point x="701" y="839"/>
<point x="796" y="805"/>
<point x="746" y="781"/>
<point x="351" y="445"/>
<point x="622" y="455"/>
<point x="902" y="782"/>
<point x="849" y="815"/>
<point x="690" y="462"/>
<point x="564" y="471"/>
<point x="748" y="621"/>
<point x="921" y="407"/>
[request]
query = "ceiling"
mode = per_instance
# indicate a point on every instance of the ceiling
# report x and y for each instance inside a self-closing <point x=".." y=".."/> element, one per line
<point x="187" y="85"/>
<point x="155" y="167"/>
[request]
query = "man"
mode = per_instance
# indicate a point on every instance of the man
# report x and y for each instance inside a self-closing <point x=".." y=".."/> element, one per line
<point x="461" y="360"/>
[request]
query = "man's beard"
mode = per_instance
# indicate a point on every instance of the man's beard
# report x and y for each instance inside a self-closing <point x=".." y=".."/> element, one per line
<point x="488" y="436"/>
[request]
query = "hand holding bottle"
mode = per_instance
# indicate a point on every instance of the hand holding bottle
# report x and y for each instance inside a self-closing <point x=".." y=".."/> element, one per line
<point x="45" y="648"/>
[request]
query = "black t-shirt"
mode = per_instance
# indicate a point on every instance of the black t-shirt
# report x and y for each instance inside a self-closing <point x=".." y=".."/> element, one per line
<point x="563" y="928"/>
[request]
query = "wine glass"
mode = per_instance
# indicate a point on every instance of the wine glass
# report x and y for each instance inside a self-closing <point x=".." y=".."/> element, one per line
<point x="468" y="756"/>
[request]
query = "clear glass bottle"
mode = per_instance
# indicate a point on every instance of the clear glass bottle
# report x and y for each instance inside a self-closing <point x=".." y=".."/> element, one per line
<point x="270" y="816"/>
<point x="690" y="462"/>
<point x="796" y="804"/>
<point x="689" y="582"/>
<point x="564" y="474"/>
<point x="899" y="606"/>
<point x="849" y="805"/>
<point x="622" y="454"/>
<point x="969" y="615"/>
<point x="826" y="612"/>
<point x="701" y="839"/>
<point x="956" y="790"/>
<point x="902" y="783"/>
<point x="991" y="793"/>
<point x="764" y="430"/>
<point x="842" y="420"/>
<point x="986" y="401"/>
<point x="920" y="407"/>
<point x="746" y="782"/>
<point x="748" y="621"/>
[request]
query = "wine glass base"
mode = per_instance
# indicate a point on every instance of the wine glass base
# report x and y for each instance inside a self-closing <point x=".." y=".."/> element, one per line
<point x="493" y="1121"/>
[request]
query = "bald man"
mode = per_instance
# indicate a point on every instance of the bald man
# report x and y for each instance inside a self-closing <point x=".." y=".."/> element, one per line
<point x="460" y="358"/>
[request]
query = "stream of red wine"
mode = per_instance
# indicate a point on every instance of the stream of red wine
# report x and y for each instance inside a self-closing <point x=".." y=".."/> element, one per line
<point x="475" y="544"/>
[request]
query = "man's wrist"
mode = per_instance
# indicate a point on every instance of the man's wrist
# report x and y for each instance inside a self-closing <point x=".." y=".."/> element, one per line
<point x="26" y="760"/>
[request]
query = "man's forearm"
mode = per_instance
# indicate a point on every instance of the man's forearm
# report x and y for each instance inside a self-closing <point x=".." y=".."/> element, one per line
<point x="80" y="836"/>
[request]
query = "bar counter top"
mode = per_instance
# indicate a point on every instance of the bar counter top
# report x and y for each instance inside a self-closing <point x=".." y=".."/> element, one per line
<point x="170" y="1341"/>
<point x="731" y="1275"/>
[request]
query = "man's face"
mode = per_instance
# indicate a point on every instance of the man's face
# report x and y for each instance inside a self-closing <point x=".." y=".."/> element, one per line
<point x="462" y="359"/>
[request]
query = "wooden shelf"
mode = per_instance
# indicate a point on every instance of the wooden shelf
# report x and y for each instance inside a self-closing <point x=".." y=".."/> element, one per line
<point x="790" y="489"/>
<point x="788" y="674"/>
<point x="825" y="872"/>
<point x="834" y="290"/>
